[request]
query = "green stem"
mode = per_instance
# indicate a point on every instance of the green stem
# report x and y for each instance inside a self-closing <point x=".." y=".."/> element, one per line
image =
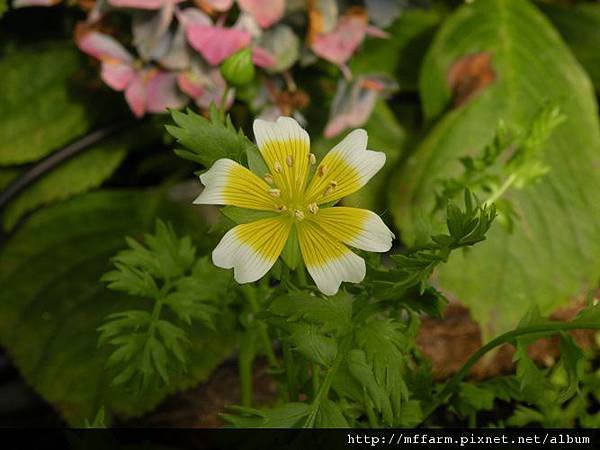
<point x="245" y="374"/>
<point x="250" y="295"/>
<point x="452" y="385"/>
<point x="224" y="103"/>
<point x="326" y="384"/>
<point x="370" y="413"/>
<point x="501" y="190"/>
<point x="315" y="378"/>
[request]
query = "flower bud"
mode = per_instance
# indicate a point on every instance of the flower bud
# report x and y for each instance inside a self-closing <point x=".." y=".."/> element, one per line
<point x="238" y="68"/>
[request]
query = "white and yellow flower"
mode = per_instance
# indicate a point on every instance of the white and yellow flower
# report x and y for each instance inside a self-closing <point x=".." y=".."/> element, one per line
<point x="297" y="200"/>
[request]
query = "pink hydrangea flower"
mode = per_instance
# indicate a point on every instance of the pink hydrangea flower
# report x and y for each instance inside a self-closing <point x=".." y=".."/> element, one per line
<point x="147" y="89"/>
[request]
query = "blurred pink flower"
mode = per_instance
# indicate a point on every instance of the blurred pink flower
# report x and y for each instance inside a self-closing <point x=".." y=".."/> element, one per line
<point x="205" y="85"/>
<point x="265" y="12"/>
<point x="338" y="45"/>
<point x="147" y="89"/>
<point x="354" y="102"/>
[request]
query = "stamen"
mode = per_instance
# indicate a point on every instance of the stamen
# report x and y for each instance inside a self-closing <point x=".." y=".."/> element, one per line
<point x="299" y="214"/>
<point x="277" y="166"/>
<point x="333" y="184"/>
<point x="274" y="192"/>
<point x="322" y="170"/>
<point x="313" y="208"/>
<point x="289" y="160"/>
<point x="268" y="178"/>
<point x="282" y="208"/>
<point x="312" y="158"/>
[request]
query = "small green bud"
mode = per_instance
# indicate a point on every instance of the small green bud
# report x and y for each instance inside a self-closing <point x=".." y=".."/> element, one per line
<point x="238" y="69"/>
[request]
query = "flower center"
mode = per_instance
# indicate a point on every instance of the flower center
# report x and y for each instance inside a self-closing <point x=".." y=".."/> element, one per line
<point x="294" y="203"/>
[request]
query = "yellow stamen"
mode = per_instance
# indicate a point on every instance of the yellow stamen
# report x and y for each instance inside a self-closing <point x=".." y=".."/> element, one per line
<point x="312" y="158"/>
<point x="322" y="171"/>
<point x="268" y="178"/>
<point x="282" y="208"/>
<point x="277" y="166"/>
<point x="299" y="214"/>
<point x="289" y="160"/>
<point x="274" y="192"/>
<point x="313" y="208"/>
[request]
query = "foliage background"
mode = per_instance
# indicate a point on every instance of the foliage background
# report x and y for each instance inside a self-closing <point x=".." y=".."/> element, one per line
<point x="61" y="229"/>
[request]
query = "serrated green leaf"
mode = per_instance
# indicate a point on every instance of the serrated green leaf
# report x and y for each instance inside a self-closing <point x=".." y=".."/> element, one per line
<point x="313" y="345"/>
<point x="362" y="372"/>
<point x="206" y="140"/>
<point x="385" y="346"/>
<point x="333" y="313"/>
<point x="288" y="415"/>
<point x="553" y="252"/>
<point x="51" y="302"/>
<point x="330" y="416"/>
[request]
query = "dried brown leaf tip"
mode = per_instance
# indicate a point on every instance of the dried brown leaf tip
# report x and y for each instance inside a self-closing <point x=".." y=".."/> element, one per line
<point x="469" y="75"/>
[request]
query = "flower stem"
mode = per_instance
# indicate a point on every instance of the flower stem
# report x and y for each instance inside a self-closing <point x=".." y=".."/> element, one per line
<point x="501" y="190"/>
<point x="250" y="295"/>
<point x="326" y="384"/>
<point x="224" y="102"/>
<point x="453" y="384"/>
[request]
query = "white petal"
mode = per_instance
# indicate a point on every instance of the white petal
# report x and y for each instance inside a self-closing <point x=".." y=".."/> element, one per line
<point x="375" y="236"/>
<point x="329" y="276"/>
<point x="284" y="129"/>
<point x="353" y="149"/>
<point x="251" y="249"/>
<point x="215" y="181"/>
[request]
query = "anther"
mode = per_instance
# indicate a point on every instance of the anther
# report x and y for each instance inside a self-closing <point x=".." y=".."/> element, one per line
<point x="274" y="192"/>
<point x="268" y="178"/>
<point x="322" y="170"/>
<point x="299" y="214"/>
<point x="282" y="208"/>
<point x="313" y="208"/>
<point x="312" y="158"/>
<point x="289" y="160"/>
<point x="333" y="184"/>
<point x="277" y="166"/>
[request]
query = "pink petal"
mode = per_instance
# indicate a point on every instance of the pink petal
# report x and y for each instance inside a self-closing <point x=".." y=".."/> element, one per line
<point x="339" y="45"/>
<point x="263" y="58"/>
<point x="162" y="92"/>
<point x="214" y="88"/>
<point x="117" y="75"/>
<point x="265" y="12"/>
<point x="136" y="96"/>
<point x="190" y="84"/>
<point x="103" y="47"/>
<point x="191" y="16"/>
<point x="216" y="43"/>
<point x="376" y="32"/>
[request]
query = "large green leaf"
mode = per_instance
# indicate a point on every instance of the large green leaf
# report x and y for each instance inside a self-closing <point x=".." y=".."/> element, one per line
<point x="52" y="302"/>
<point x="579" y="25"/>
<point x="81" y="173"/>
<point x="41" y="109"/>
<point x="555" y="251"/>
